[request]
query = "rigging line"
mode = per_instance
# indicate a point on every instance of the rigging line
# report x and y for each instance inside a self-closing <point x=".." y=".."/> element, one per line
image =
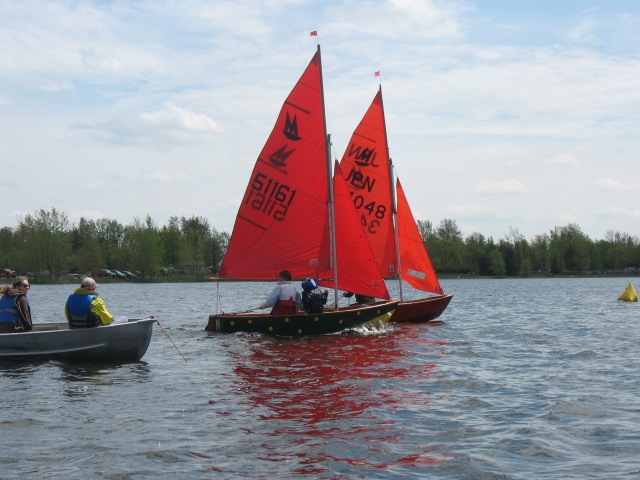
<point x="333" y="149"/>
<point x="174" y="345"/>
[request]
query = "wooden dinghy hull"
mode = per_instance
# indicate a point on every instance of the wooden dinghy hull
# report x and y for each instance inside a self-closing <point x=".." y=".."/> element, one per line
<point x="301" y="324"/>
<point x="118" y="343"/>
<point x="421" y="310"/>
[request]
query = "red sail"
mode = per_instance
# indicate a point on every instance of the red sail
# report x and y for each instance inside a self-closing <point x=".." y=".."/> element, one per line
<point x="357" y="267"/>
<point x="283" y="220"/>
<point x="370" y="182"/>
<point x="417" y="269"/>
<point x="365" y="164"/>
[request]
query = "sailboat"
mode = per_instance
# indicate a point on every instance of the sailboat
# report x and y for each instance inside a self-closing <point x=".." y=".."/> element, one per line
<point x="387" y="219"/>
<point x="296" y="216"/>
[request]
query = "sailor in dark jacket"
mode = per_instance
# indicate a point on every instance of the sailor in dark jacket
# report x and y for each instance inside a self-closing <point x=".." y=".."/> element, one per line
<point x="313" y="298"/>
<point x="15" y="311"/>
<point x="360" y="299"/>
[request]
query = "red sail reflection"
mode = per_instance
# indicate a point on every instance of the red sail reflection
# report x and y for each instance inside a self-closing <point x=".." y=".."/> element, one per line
<point x="340" y="388"/>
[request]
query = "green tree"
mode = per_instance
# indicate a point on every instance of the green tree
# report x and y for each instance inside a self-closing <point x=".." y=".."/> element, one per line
<point x="497" y="265"/>
<point x="476" y="254"/>
<point x="197" y="235"/>
<point x="110" y="234"/>
<point x="44" y="237"/>
<point x="85" y="247"/>
<point x="449" y="245"/>
<point x="540" y="257"/>
<point x="142" y="241"/>
<point x="172" y="243"/>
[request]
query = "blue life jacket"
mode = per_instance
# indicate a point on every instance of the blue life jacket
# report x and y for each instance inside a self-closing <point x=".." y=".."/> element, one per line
<point x="8" y="311"/>
<point x="79" y="311"/>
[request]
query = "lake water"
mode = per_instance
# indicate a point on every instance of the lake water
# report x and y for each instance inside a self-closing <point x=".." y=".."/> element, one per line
<point x="525" y="378"/>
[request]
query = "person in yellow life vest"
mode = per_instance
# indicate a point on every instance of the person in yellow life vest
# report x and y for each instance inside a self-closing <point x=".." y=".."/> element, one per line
<point x="84" y="309"/>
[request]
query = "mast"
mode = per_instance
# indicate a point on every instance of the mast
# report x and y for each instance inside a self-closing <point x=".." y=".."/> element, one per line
<point x="392" y="189"/>
<point x="331" y="203"/>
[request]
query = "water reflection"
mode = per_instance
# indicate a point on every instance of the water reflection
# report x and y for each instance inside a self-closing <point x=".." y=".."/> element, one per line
<point x="318" y="392"/>
<point x="18" y="370"/>
<point x="80" y="380"/>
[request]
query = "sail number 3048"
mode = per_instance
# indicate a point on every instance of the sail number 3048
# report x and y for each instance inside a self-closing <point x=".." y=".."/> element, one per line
<point x="269" y="197"/>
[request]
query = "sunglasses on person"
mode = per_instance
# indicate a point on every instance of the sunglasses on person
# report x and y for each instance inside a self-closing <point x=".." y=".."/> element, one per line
<point x="26" y="285"/>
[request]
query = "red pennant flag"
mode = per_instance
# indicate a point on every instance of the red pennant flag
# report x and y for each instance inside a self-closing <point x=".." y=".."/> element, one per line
<point x="377" y="74"/>
<point x="314" y="33"/>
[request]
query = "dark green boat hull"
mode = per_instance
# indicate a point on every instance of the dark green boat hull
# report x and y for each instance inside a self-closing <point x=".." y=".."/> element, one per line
<point x="301" y="324"/>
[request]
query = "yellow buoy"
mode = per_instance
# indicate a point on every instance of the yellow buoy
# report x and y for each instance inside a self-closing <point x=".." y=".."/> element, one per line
<point x="629" y="294"/>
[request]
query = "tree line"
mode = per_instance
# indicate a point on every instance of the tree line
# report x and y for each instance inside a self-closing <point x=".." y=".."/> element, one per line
<point x="563" y="250"/>
<point x="46" y="245"/>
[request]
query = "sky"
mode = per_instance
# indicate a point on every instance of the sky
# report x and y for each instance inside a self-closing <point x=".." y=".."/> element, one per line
<point x="505" y="116"/>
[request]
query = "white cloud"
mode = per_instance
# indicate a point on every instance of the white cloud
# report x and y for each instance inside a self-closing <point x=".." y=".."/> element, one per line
<point x="610" y="184"/>
<point x="583" y="32"/>
<point x="176" y="118"/>
<point x="168" y="177"/>
<point x="510" y="186"/>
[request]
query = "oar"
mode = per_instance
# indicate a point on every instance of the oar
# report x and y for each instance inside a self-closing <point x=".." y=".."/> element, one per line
<point x="165" y="332"/>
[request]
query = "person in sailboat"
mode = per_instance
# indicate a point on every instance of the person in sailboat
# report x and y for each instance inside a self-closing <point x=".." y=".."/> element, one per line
<point x="313" y="298"/>
<point x="15" y="312"/>
<point x="284" y="298"/>
<point x="360" y="299"/>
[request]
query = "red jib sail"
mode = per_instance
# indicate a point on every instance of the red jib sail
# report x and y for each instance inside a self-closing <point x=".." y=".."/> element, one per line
<point x="417" y="269"/>
<point x="365" y="164"/>
<point x="369" y="180"/>
<point x="357" y="267"/>
<point x="283" y="220"/>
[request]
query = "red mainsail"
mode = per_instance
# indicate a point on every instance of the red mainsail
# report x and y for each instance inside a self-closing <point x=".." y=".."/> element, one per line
<point x="284" y="218"/>
<point x="370" y="182"/>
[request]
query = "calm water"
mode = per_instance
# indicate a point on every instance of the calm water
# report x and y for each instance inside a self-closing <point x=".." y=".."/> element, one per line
<point x="523" y="379"/>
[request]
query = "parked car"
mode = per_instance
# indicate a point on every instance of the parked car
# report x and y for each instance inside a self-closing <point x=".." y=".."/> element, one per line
<point x="128" y="274"/>
<point x="7" y="272"/>
<point x="119" y="274"/>
<point x="106" y="273"/>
